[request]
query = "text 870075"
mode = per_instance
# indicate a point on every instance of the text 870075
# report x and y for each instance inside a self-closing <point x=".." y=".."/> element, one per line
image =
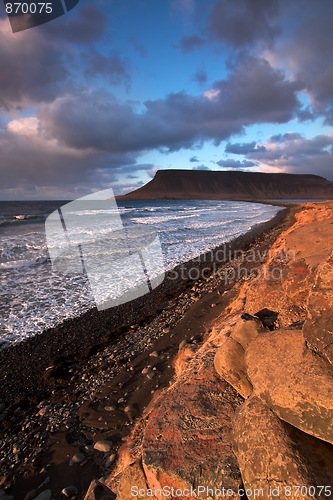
<point x="28" y="8"/>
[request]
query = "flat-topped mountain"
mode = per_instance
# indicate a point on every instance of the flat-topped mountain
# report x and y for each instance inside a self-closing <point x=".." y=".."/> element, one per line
<point x="231" y="185"/>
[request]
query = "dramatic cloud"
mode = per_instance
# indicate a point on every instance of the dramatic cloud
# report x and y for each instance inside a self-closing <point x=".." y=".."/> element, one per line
<point x="23" y="147"/>
<point x="307" y="50"/>
<point x="39" y="70"/>
<point x="253" y="93"/>
<point x="296" y="154"/>
<point x="243" y="23"/>
<point x="236" y="164"/>
<point x="65" y="121"/>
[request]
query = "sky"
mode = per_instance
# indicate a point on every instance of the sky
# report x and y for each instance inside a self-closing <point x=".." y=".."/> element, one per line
<point x="115" y="90"/>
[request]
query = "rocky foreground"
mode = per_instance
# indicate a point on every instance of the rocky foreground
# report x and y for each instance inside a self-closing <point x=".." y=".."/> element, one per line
<point x="226" y="390"/>
<point x="250" y="411"/>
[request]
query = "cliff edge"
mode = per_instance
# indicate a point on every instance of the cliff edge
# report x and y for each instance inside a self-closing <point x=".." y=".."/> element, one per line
<point x="231" y="185"/>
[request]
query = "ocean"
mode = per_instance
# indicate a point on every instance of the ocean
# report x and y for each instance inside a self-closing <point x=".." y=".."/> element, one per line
<point x="34" y="297"/>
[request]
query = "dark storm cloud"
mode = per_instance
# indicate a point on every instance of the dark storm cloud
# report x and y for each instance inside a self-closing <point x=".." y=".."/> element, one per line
<point x="243" y="148"/>
<point x="31" y="69"/>
<point x="20" y="154"/>
<point x="308" y="50"/>
<point x="298" y="155"/>
<point x="236" y="164"/>
<point x="243" y="23"/>
<point x="193" y="159"/>
<point x="253" y="93"/>
<point x="189" y="43"/>
<point x="113" y="67"/>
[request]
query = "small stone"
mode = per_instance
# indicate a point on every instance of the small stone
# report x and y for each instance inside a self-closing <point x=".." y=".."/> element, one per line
<point x="77" y="458"/>
<point x="166" y="330"/>
<point x="128" y="409"/>
<point x="103" y="445"/>
<point x="151" y="374"/>
<point x="69" y="491"/>
<point x="111" y="459"/>
<point x="182" y="344"/>
<point x="154" y="354"/>
<point x="145" y="370"/>
<point x="110" y="408"/>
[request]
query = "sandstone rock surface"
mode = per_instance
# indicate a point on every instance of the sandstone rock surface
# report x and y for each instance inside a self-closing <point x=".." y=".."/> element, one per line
<point x="244" y="332"/>
<point x="229" y="362"/>
<point x="187" y="440"/>
<point x="318" y="327"/>
<point x="292" y="381"/>
<point x="267" y="457"/>
<point x="133" y="484"/>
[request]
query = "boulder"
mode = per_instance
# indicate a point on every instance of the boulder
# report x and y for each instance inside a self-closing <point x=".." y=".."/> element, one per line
<point x="318" y="327"/>
<point x="229" y="362"/>
<point x="245" y="331"/>
<point x="187" y="440"/>
<point x="292" y="381"/>
<point x="266" y="454"/>
<point x="103" y="445"/>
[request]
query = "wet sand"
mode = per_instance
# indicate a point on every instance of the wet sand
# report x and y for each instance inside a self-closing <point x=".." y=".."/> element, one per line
<point x="90" y="378"/>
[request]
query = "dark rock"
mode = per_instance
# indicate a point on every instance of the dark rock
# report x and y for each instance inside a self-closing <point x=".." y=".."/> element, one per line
<point x="98" y="491"/>
<point x="268" y="318"/>
<point x="248" y="317"/>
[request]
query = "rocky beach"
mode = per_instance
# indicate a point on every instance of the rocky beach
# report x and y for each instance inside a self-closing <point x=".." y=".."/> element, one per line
<point x="219" y="386"/>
